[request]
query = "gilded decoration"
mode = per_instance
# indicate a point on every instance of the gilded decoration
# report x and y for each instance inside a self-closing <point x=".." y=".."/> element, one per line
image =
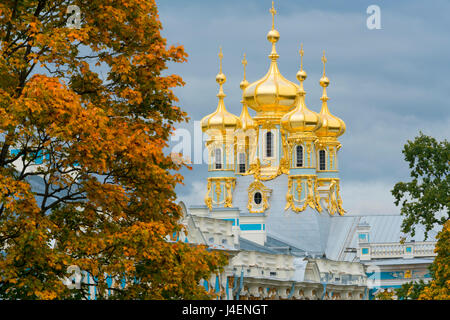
<point x="223" y="191"/>
<point x="255" y="170"/>
<point x="306" y="184"/>
<point x="332" y="195"/>
<point x="258" y="186"/>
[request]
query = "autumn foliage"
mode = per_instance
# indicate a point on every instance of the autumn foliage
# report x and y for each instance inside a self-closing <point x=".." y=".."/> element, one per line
<point x="84" y="117"/>
<point x="439" y="287"/>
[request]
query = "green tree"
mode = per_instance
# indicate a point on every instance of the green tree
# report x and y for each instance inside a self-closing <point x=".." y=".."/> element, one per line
<point x="83" y="177"/>
<point x="425" y="199"/>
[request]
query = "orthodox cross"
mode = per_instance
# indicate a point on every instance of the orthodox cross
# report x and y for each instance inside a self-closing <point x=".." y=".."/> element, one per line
<point x="273" y="12"/>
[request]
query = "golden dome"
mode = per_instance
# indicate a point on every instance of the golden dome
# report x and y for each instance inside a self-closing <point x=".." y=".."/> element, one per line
<point x="332" y="126"/>
<point x="301" y="119"/>
<point x="220" y="119"/>
<point x="273" y="94"/>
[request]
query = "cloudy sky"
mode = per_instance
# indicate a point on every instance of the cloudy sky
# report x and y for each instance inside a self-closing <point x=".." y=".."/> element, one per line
<point x="386" y="84"/>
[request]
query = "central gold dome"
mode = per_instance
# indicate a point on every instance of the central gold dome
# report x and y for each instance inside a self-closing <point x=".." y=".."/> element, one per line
<point x="273" y="95"/>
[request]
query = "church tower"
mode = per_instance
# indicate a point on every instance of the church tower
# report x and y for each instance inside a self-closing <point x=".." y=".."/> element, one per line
<point x="327" y="147"/>
<point x="220" y="126"/>
<point x="280" y="161"/>
<point x="301" y="125"/>
<point x="271" y="97"/>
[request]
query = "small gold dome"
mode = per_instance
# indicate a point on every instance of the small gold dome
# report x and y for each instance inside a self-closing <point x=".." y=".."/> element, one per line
<point x="220" y="119"/>
<point x="301" y="119"/>
<point x="332" y="126"/>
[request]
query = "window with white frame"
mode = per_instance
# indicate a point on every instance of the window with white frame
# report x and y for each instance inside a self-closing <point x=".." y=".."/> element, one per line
<point x="299" y="156"/>
<point x="322" y="160"/>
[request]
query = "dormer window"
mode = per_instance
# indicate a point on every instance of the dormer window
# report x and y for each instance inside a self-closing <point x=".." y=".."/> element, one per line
<point x="363" y="237"/>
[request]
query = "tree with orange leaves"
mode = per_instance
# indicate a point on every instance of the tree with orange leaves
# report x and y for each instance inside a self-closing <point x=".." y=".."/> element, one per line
<point x="439" y="287"/>
<point x="83" y="178"/>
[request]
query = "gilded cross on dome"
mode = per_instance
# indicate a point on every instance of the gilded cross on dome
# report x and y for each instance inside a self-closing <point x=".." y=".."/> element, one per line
<point x="301" y="56"/>
<point x="244" y="63"/>
<point x="324" y="60"/>
<point x="220" y="58"/>
<point x="273" y="12"/>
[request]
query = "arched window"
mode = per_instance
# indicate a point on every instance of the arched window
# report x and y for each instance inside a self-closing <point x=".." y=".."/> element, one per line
<point x="299" y="156"/>
<point x="242" y="163"/>
<point x="269" y="144"/>
<point x="218" y="158"/>
<point x="322" y="163"/>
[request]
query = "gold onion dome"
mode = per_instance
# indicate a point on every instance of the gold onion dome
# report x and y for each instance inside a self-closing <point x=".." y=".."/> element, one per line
<point x="247" y="121"/>
<point x="332" y="126"/>
<point x="301" y="119"/>
<point x="273" y="93"/>
<point x="220" y="119"/>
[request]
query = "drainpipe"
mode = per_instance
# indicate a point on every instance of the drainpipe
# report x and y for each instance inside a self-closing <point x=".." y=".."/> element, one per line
<point x="324" y="286"/>
<point x="291" y="293"/>
<point x="241" y="282"/>
<point x="365" y="293"/>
